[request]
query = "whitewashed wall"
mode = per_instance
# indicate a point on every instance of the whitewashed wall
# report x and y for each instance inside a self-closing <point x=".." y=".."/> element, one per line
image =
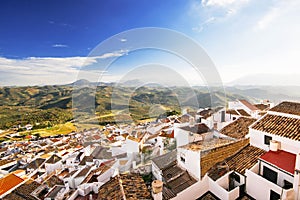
<point x="192" y="161"/>
<point x="286" y="144"/>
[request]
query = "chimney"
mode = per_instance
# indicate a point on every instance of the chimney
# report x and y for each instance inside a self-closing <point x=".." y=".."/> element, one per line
<point x="192" y="121"/>
<point x="157" y="187"/>
<point x="134" y="164"/>
<point x="274" y="145"/>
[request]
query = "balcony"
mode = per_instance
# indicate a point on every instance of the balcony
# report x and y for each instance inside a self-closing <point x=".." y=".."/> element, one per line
<point x="259" y="187"/>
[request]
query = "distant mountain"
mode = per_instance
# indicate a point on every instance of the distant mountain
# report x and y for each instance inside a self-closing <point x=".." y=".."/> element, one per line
<point x="274" y="93"/>
<point x="267" y="79"/>
<point x="85" y="83"/>
<point x="138" y="101"/>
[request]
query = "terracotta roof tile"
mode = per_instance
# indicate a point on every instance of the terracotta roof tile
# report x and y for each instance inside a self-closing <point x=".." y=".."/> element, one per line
<point x="248" y="105"/>
<point x="134" y="138"/>
<point x="124" y="186"/>
<point x="165" y="160"/>
<point x="212" y="157"/>
<point x="8" y="182"/>
<point x="24" y="191"/>
<point x="239" y="128"/>
<point x="278" y="125"/>
<point x="177" y="179"/>
<point x="243" y="113"/>
<point x="54" y="180"/>
<point x="197" y="128"/>
<point x="287" y="107"/>
<point x="231" y="112"/>
<point x="208" y="145"/>
<point x="53" y="159"/>
<point x="205" y="113"/>
<point x="262" y="107"/>
<point x="239" y="162"/>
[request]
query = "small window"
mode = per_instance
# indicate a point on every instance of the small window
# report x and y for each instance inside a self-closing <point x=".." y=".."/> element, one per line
<point x="267" y="139"/>
<point x="236" y="177"/>
<point x="182" y="158"/>
<point x="233" y="118"/>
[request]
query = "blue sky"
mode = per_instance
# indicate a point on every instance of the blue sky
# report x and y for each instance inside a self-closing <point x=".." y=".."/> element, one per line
<point x="45" y="42"/>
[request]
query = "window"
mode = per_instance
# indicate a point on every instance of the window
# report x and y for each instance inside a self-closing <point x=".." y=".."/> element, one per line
<point x="270" y="175"/>
<point x="223" y="116"/>
<point x="182" y="158"/>
<point x="233" y="118"/>
<point x="274" y="195"/>
<point x="268" y="139"/>
<point x="236" y="177"/>
<point x="287" y="185"/>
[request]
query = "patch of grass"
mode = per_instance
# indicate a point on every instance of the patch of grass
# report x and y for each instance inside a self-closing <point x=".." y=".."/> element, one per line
<point x="60" y="129"/>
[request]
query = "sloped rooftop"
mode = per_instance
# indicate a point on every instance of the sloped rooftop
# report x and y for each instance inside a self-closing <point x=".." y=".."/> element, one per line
<point x="124" y="186"/>
<point x="239" y="128"/>
<point x="8" y="182"/>
<point x="197" y="128"/>
<point x="278" y="125"/>
<point x="262" y="107"/>
<point x="239" y="162"/>
<point x="248" y="104"/>
<point x="177" y="179"/>
<point x="207" y="145"/>
<point x="23" y="192"/>
<point x="36" y="163"/>
<point x="232" y="112"/>
<point x="243" y="113"/>
<point x="287" y="107"/>
<point x="53" y="159"/>
<point x="165" y="160"/>
<point x="101" y="153"/>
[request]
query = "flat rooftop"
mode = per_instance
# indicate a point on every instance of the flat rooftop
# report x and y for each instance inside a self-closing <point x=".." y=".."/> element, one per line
<point x="281" y="159"/>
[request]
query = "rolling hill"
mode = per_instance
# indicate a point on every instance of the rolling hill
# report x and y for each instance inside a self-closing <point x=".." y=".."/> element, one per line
<point x="50" y="103"/>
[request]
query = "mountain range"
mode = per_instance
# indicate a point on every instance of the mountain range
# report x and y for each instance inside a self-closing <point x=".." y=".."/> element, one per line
<point x="132" y="98"/>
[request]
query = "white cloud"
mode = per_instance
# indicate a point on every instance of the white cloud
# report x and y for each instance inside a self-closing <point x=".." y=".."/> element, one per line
<point x="214" y="11"/>
<point x="60" y="46"/>
<point x="49" y="70"/>
<point x="204" y="24"/>
<point x="123" y="40"/>
<point x="113" y="54"/>
<point x="278" y="10"/>
<point x="222" y="3"/>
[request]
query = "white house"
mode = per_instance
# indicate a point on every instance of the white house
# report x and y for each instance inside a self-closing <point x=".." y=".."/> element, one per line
<point x="53" y="163"/>
<point x="191" y="133"/>
<point x="277" y="132"/>
<point x="133" y="144"/>
<point x="244" y="105"/>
